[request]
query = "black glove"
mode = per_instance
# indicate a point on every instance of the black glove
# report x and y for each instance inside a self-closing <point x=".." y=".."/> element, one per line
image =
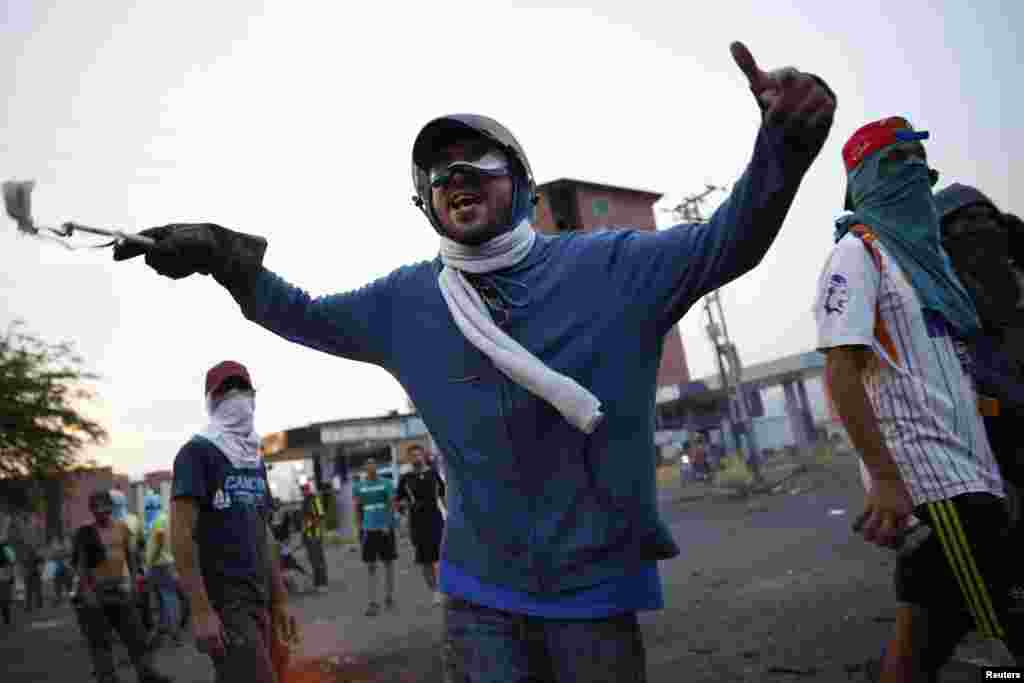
<point x="181" y="249"/>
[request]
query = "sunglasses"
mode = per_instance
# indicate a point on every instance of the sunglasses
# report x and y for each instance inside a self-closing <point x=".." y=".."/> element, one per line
<point x="480" y="161"/>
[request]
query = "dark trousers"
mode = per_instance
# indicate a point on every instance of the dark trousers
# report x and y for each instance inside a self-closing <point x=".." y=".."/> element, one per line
<point x="99" y="615"/>
<point x="61" y="585"/>
<point x="315" y="552"/>
<point x="33" y="592"/>
<point x="247" y="637"/>
<point x="964" y="576"/>
<point x="6" y="596"/>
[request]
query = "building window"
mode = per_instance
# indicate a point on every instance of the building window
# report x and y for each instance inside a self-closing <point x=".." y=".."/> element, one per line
<point x="599" y="207"/>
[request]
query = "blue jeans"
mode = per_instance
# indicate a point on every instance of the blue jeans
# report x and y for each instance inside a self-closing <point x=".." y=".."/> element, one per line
<point x="484" y="645"/>
<point x="166" y="589"/>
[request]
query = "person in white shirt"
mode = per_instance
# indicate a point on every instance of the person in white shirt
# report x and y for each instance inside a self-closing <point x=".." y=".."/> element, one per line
<point x="893" y="321"/>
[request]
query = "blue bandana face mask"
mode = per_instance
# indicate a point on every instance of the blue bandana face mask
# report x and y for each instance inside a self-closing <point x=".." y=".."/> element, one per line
<point x="899" y="188"/>
<point x="892" y="195"/>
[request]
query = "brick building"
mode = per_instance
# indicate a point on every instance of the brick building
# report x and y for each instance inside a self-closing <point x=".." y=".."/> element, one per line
<point x="567" y="204"/>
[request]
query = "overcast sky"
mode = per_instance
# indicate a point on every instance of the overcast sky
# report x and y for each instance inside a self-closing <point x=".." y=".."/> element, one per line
<point x="295" y="121"/>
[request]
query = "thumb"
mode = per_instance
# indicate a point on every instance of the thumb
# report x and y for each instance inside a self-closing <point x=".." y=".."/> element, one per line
<point x="745" y="61"/>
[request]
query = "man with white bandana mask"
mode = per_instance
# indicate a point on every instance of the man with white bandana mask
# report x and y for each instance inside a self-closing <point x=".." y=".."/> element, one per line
<point x="220" y="538"/>
<point x="533" y="361"/>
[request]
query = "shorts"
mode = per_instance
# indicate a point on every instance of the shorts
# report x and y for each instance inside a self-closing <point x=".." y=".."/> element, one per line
<point x="961" y="573"/>
<point x="379" y="546"/>
<point x="427" y="528"/>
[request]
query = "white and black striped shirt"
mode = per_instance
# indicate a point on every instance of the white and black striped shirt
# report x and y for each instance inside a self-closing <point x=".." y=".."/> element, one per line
<point x="918" y="384"/>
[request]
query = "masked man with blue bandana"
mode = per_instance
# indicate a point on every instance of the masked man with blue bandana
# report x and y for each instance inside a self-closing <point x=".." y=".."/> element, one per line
<point x="896" y="323"/>
<point x="533" y="361"/>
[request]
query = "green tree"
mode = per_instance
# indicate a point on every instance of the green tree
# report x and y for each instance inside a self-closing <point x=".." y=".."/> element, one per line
<point x="42" y="385"/>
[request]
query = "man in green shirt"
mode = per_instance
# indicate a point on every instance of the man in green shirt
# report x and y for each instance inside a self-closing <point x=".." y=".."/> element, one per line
<point x="375" y="526"/>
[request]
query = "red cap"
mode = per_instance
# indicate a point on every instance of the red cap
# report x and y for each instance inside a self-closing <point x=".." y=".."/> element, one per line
<point x="222" y="371"/>
<point x="876" y="135"/>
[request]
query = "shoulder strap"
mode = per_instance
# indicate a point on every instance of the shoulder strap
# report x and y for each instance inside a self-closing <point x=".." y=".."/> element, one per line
<point x="867" y="238"/>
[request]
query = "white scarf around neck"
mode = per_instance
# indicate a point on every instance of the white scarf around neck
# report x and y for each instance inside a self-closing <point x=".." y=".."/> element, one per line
<point x="577" y="405"/>
<point x="231" y="429"/>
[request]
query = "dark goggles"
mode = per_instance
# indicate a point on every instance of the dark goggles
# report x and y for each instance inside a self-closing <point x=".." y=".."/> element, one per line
<point x="487" y="161"/>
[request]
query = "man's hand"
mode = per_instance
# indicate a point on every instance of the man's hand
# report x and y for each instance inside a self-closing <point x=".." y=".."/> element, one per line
<point x="887" y="510"/>
<point x="209" y="632"/>
<point x="285" y="628"/>
<point x="800" y="102"/>
<point x="179" y="250"/>
<point x="232" y="258"/>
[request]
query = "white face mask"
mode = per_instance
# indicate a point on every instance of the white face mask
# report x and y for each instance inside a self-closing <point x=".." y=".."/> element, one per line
<point x="234" y="411"/>
<point x="232" y="428"/>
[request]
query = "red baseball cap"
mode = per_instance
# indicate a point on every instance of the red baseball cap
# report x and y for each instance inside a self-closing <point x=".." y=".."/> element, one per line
<point x="872" y="137"/>
<point x="222" y="371"/>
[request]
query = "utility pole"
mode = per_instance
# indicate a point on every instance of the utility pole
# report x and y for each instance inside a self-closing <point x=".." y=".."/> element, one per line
<point x="730" y="370"/>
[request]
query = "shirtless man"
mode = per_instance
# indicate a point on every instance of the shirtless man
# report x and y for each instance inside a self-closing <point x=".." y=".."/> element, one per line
<point x="106" y="566"/>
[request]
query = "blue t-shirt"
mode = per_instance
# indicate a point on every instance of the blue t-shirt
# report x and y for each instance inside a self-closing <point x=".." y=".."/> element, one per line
<point x="231" y="528"/>
<point x="376" y="497"/>
<point x="631" y="593"/>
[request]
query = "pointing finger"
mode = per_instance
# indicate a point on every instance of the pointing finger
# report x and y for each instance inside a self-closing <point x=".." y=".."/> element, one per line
<point x="745" y="61"/>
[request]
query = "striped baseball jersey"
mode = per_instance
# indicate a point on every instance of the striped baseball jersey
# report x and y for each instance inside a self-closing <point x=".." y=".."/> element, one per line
<point x="917" y="382"/>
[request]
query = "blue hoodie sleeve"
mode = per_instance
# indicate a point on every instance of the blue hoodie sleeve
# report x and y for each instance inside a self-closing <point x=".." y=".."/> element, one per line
<point x="672" y="269"/>
<point x="355" y="325"/>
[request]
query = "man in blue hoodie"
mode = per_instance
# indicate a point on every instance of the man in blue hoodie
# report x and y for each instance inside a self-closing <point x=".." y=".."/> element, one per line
<point x="513" y="345"/>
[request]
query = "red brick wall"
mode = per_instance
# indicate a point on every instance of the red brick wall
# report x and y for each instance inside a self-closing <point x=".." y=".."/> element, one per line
<point x="626" y="209"/>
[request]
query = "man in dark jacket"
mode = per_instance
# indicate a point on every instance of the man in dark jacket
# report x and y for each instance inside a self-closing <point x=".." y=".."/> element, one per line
<point x="986" y="247"/>
<point x="422" y="490"/>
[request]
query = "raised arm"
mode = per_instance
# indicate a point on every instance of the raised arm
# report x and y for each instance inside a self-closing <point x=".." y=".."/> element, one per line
<point x="673" y="268"/>
<point x="354" y="325"/>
